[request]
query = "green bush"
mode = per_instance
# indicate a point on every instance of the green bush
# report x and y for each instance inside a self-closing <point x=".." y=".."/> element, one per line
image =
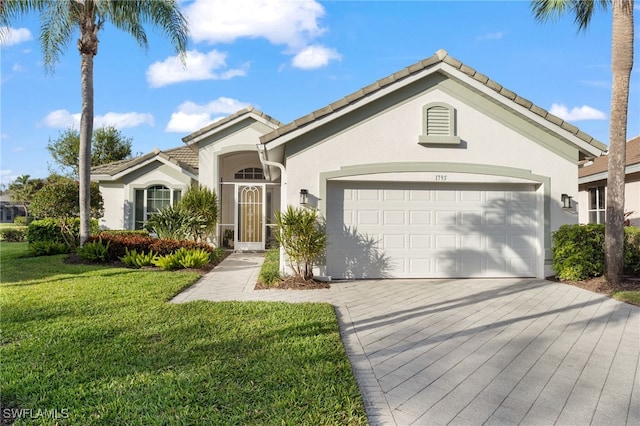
<point x="95" y="251"/>
<point x="184" y="258"/>
<point x="175" y="223"/>
<point x="138" y="260"/>
<point x="301" y="234"/>
<point x="20" y="220"/>
<point x="12" y="235"/>
<point x="632" y="251"/>
<point x="270" y="271"/>
<point x="47" y="248"/>
<point x="48" y="229"/>
<point x="579" y="252"/>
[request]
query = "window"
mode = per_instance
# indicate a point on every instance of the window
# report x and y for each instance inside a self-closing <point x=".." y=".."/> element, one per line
<point x="250" y="173"/>
<point x="151" y="200"/>
<point x="438" y="125"/>
<point x="597" y="206"/>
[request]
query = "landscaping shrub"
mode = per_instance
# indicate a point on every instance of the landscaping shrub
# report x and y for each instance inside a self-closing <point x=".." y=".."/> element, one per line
<point x="48" y="248"/>
<point x="138" y="260"/>
<point x="48" y="229"/>
<point x="119" y="243"/>
<point x="94" y="251"/>
<point x="165" y="246"/>
<point x="578" y="252"/>
<point x="184" y="258"/>
<point x="12" y="235"/>
<point x="174" y="223"/>
<point x="270" y="271"/>
<point x="20" y="220"/>
<point x="632" y="251"/>
<point x="301" y="234"/>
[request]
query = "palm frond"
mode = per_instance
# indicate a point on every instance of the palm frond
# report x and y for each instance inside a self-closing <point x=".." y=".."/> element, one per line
<point x="583" y="10"/>
<point x="58" y="24"/>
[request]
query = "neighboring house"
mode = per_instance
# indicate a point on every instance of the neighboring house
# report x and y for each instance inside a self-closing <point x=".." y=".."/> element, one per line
<point x="9" y="209"/>
<point x="592" y="178"/>
<point x="434" y="171"/>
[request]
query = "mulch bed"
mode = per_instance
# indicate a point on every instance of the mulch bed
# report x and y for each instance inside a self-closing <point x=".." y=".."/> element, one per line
<point x="294" y="283"/>
<point x="602" y="286"/>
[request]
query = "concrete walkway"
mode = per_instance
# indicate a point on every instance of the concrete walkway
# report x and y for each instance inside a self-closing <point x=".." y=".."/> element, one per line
<point x="471" y="352"/>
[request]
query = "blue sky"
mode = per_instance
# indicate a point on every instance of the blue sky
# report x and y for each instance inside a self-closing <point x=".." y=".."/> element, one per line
<point x="291" y="57"/>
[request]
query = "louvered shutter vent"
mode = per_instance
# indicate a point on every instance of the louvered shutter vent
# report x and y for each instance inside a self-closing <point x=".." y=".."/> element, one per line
<point x="438" y="121"/>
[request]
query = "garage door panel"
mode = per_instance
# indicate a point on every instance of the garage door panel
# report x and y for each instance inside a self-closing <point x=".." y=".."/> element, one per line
<point x="410" y="230"/>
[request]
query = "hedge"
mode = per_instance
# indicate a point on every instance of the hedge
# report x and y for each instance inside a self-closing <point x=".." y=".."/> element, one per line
<point x="119" y="243"/>
<point x="12" y="235"/>
<point x="579" y="252"/>
<point x="48" y="229"/>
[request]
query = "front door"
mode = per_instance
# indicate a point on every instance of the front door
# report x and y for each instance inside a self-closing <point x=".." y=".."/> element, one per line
<point x="250" y="217"/>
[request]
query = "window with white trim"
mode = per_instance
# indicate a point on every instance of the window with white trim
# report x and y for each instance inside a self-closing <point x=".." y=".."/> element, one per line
<point x="151" y="200"/>
<point x="250" y="173"/>
<point x="438" y="124"/>
<point x="597" y="206"/>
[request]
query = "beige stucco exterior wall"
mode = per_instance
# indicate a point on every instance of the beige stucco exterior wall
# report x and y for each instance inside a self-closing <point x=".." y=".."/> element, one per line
<point x="631" y="198"/>
<point x="119" y="196"/>
<point x="490" y="136"/>
<point x="114" y="206"/>
<point x="244" y="138"/>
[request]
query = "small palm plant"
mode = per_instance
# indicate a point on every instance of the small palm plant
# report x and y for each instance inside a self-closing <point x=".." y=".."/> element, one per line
<point x="302" y="237"/>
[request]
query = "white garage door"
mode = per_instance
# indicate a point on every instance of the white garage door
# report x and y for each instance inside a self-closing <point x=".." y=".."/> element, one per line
<point x="421" y="230"/>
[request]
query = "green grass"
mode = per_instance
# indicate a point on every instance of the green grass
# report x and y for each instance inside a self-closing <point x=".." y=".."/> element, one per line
<point x="632" y="297"/>
<point x="101" y="345"/>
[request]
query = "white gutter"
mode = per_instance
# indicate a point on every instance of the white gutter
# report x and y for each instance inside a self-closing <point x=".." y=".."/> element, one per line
<point x="262" y="154"/>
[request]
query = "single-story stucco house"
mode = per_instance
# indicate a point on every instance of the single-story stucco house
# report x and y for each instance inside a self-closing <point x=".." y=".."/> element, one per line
<point x="592" y="178"/>
<point x="434" y="171"/>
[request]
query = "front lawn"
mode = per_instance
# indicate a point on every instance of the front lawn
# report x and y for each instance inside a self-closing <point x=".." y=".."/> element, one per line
<point x="84" y="344"/>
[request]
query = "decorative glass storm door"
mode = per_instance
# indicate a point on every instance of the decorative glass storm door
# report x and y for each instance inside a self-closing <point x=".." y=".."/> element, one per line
<point x="250" y="213"/>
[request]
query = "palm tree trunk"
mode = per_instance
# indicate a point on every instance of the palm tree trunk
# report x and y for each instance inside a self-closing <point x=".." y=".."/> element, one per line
<point x="621" y="65"/>
<point x="86" y="132"/>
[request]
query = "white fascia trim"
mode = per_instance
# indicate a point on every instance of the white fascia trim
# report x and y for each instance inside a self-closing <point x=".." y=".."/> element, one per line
<point x="634" y="168"/>
<point x="233" y="122"/>
<point x="455" y="74"/>
<point x="149" y="161"/>
<point x="363" y="101"/>
<point x="541" y="121"/>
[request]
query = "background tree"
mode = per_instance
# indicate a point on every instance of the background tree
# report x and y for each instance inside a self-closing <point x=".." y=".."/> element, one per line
<point x="23" y="189"/>
<point x="60" y="21"/>
<point x="59" y="199"/>
<point x="108" y="144"/>
<point x="621" y="65"/>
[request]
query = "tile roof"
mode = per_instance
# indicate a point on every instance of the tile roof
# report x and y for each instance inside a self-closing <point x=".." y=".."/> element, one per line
<point x="600" y="164"/>
<point x="183" y="157"/>
<point x="228" y="119"/>
<point x="441" y="56"/>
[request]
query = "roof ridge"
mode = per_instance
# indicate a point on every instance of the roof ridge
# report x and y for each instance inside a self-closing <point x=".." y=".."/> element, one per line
<point x="440" y="56"/>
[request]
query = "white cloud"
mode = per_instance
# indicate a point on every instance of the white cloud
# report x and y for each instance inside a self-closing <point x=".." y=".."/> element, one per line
<point x="199" y="66"/>
<point x="584" y="112"/>
<point x="294" y="24"/>
<point x="490" y="36"/>
<point x="12" y="36"/>
<point x="62" y="119"/>
<point x="191" y="116"/>
<point x="17" y="67"/>
<point x="315" y="57"/>
<point x="291" y="23"/>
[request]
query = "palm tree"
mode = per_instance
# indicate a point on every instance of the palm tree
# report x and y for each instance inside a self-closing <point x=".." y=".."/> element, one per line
<point x="22" y="189"/>
<point x="621" y="65"/>
<point x="60" y="19"/>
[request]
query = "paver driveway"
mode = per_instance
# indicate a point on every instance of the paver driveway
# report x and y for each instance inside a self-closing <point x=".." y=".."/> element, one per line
<point x="472" y="352"/>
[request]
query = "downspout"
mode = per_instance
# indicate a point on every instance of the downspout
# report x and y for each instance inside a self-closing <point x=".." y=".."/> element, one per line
<point x="262" y="154"/>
